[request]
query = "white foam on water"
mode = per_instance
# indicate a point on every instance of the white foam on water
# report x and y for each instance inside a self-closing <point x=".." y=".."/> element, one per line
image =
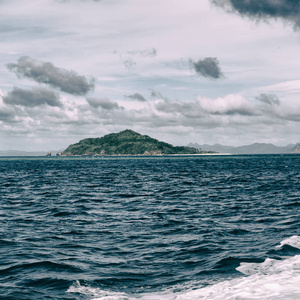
<point x="270" y="280"/>
<point x="96" y="292"/>
<point x="271" y="266"/>
<point x="293" y="241"/>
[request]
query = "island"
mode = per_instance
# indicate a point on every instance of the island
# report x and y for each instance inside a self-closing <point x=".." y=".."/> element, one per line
<point x="127" y="142"/>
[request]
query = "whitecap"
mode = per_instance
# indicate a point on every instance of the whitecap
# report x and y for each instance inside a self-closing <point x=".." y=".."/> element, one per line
<point x="293" y="241"/>
<point x="96" y="292"/>
<point x="269" y="280"/>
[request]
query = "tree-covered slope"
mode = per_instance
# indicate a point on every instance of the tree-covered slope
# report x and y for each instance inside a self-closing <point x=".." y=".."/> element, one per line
<point x="126" y="142"/>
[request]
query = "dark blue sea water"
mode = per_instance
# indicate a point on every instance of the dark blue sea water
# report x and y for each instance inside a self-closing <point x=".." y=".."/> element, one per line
<point x="202" y="227"/>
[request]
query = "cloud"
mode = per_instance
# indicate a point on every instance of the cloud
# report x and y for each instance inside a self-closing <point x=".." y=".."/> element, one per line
<point x="61" y="1"/>
<point x="150" y="52"/>
<point x="137" y="96"/>
<point x="157" y="95"/>
<point x="129" y="58"/>
<point x="6" y="115"/>
<point x="228" y="106"/>
<point x="45" y="72"/>
<point x="177" y="108"/>
<point x="207" y="67"/>
<point x="270" y="99"/>
<point x="129" y="63"/>
<point x="287" y="10"/>
<point x="32" y="98"/>
<point x="211" y="117"/>
<point x="104" y="103"/>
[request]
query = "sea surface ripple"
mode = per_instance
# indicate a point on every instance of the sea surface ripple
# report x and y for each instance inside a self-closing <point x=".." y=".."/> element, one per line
<point x="150" y="228"/>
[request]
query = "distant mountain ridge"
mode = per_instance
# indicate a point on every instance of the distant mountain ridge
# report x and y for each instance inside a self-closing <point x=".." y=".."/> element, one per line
<point x="126" y="142"/>
<point x="256" y="148"/>
<point x="22" y="153"/>
<point x="296" y="149"/>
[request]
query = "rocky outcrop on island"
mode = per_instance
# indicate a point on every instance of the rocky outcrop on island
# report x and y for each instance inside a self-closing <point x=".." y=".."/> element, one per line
<point x="126" y="142"/>
<point x="296" y="149"/>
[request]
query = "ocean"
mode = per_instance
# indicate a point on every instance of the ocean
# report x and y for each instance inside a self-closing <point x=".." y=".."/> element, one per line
<point x="149" y="228"/>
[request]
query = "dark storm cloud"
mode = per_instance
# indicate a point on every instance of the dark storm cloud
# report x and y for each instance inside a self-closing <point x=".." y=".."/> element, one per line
<point x="270" y="99"/>
<point x="104" y="103"/>
<point x="288" y="10"/>
<point x="207" y="67"/>
<point x="45" y="72"/>
<point x="32" y="98"/>
<point x="137" y="96"/>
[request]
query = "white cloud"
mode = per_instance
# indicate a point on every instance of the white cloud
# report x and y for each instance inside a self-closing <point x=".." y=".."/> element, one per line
<point x="229" y="105"/>
<point x="286" y="88"/>
<point x="158" y="37"/>
<point x="231" y="120"/>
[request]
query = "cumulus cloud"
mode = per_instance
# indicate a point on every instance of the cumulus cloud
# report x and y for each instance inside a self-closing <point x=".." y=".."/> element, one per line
<point x="104" y="103"/>
<point x="32" y="98"/>
<point x="137" y="96"/>
<point x="45" y="72"/>
<point x="270" y="99"/>
<point x="201" y="114"/>
<point x="228" y="106"/>
<point x="287" y="10"/>
<point x="207" y="67"/>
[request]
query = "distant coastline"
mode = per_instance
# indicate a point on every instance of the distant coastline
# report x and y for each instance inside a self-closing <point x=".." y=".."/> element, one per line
<point x="143" y="148"/>
<point x="174" y="156"/>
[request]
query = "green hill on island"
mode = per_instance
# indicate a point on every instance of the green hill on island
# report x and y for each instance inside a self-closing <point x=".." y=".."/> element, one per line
<point x="126" y="142"/>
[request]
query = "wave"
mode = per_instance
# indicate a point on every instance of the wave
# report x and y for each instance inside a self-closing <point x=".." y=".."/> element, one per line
<point x="272" y="279"/>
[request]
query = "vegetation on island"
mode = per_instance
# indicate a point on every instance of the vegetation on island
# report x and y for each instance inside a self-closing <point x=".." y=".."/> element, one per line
<point x="126" y="142"/>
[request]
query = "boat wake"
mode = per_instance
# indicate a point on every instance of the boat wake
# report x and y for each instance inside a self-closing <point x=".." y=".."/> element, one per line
<point x="272" y="279"/>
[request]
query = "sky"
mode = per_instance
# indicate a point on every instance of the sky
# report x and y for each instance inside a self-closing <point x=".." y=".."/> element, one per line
<point x="200" y="71"/>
